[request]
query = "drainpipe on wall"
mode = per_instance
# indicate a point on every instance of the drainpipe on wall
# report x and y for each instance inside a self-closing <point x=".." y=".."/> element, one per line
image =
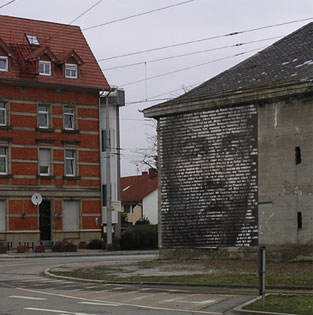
<point x="108" y="174"/>
<point x="100" y="158"/>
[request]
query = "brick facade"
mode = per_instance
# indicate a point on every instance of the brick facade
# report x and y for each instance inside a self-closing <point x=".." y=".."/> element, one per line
<point x="23" y="139"/>
<point x="49" y="133"/>
<point x="209" y="178"/>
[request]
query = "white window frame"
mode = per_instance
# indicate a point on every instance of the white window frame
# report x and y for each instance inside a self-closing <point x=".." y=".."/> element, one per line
<point x="71" y="70"/>
<point x="6" y="59"/>
<point x="4" y="110"/>
<point x="45" y="113"/>
<point x="71" y="160"/>
<point x="32" y="39"/>
<point x="48" y="173"/>
<point x="5" y="157"/>
<point x="46" y="65"/>
<point x="71" y="114"/>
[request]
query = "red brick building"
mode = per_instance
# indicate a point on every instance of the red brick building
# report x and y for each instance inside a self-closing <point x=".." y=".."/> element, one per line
<point x="49" y="132"/>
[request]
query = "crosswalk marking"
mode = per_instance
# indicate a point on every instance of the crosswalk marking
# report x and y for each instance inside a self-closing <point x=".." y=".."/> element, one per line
<point x="54" y="311"/>
<point x="27" y="298"/>
<point x="98" y="303"/>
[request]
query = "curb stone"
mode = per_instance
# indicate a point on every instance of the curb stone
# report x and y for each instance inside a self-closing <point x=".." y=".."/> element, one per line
<point x="78" y="254"/>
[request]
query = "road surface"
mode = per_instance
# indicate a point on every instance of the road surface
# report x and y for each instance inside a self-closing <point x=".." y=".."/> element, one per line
<point x="24" y="291"/>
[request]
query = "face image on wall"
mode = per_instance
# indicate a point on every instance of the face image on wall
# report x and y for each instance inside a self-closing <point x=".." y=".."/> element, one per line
<point x="209" y="178"/>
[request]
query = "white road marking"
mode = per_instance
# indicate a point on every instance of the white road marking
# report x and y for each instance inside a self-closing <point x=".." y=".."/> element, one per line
<point x="64" y="296"/>
<point x="98" y="303"/>
<point x="120" y="294"/>
<point x="177" y="291"/>
<point x="120" y="304"/>
<point x="118" y="288"/>
<point x="200" y="302"/>
<point x="172" y="300"/>
<point x="54" y="311"/>
<point x="100" y="291"/>
<point x="143" y="297"/>
<point x="27" y="298"/>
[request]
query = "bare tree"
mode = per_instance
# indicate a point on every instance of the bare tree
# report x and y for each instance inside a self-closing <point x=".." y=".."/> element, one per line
<point x="148" y="156"/>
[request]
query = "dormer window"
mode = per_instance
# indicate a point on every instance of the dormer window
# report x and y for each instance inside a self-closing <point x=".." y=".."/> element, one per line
<point x="45" y="68"/>
<point x="71" y="70"/>
<point x="4" y="64"/>
<point x="32" y="39"/>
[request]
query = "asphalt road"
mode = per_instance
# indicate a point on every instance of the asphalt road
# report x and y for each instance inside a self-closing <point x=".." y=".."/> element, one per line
<point x="24" y="291"/>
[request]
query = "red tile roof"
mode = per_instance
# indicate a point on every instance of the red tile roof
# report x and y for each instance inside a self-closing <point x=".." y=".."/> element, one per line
<point x="61" y="40"/>
<point x="135" y="188"/>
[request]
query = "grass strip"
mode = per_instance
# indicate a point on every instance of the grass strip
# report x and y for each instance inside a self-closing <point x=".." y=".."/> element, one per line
<point x="218" y="278"/>
<point x="291" y="304"/>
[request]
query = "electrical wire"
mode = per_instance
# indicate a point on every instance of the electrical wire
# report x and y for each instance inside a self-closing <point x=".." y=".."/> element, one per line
<point x="204" y="39"/>
<point x="137" y="15"/>
<point x="65" y="26"/>
<point x="85" y="12"/>
<point x="8" y="3"/>
<point x="191" y="53"/>
<point x="190" y="67"/>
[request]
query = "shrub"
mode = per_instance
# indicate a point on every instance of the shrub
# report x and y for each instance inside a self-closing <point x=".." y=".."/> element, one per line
<point x="96" y="244"/>
<point x="64" y="247"/>
<point x="3" y="249"/>
<point x="139" y="237"/>
<point x="82" y="245"/>
<point x="144" y="221"/>
<point x="124" y="220"/>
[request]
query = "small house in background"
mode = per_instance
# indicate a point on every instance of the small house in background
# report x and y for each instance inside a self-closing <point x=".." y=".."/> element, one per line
<point x="236" y="153"/>
<point x="139" y="197"/>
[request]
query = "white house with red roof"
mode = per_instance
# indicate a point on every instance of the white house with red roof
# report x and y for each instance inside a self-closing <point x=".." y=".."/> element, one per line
<point x="139" y="197"/>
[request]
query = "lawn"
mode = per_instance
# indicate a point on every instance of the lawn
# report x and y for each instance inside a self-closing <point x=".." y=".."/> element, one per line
<point x="110" y="274"/>
<point x="211" y="271"/>
<point x="291" y="304"/>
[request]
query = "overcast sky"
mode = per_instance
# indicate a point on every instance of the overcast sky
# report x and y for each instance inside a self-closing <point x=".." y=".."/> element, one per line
<point x="194" y="20"/>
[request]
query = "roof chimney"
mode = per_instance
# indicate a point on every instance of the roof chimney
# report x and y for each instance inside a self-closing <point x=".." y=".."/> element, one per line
<point x="152" y="172"/>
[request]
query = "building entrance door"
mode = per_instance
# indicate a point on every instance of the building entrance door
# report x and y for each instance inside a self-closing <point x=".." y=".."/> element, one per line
<point x="45" y="220"/>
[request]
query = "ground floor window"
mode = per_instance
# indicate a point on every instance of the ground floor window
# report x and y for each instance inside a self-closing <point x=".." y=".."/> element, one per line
<point x="129" y="208"/>
<point x="70" y="215"/>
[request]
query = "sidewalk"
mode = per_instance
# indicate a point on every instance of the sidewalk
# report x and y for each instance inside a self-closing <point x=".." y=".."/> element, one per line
<point x="79" y="253"/>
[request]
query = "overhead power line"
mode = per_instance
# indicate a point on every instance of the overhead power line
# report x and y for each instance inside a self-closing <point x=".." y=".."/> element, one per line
<point x="70" y="23"/>
<point x="137" y="15"/>
<point x="8" y="3"/>
<point x="191" y="53"/>
<point x="203" y="39"/>
<point x="85" y="12"/>
<point x="190" y="67"/>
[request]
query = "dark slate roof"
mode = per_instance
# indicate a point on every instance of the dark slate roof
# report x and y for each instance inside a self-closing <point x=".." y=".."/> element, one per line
<point x="286" y="61"/>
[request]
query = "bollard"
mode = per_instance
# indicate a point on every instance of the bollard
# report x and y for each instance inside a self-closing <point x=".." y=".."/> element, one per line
<point x="262" y="273"/>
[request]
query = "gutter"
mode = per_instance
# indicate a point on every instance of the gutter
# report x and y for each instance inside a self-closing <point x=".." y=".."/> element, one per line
<point x="51" y="85"/>
<point x="230" y="98"/>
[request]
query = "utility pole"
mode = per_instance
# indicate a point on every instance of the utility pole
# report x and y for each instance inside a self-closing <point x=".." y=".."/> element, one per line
<point x="108" y="176"/>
